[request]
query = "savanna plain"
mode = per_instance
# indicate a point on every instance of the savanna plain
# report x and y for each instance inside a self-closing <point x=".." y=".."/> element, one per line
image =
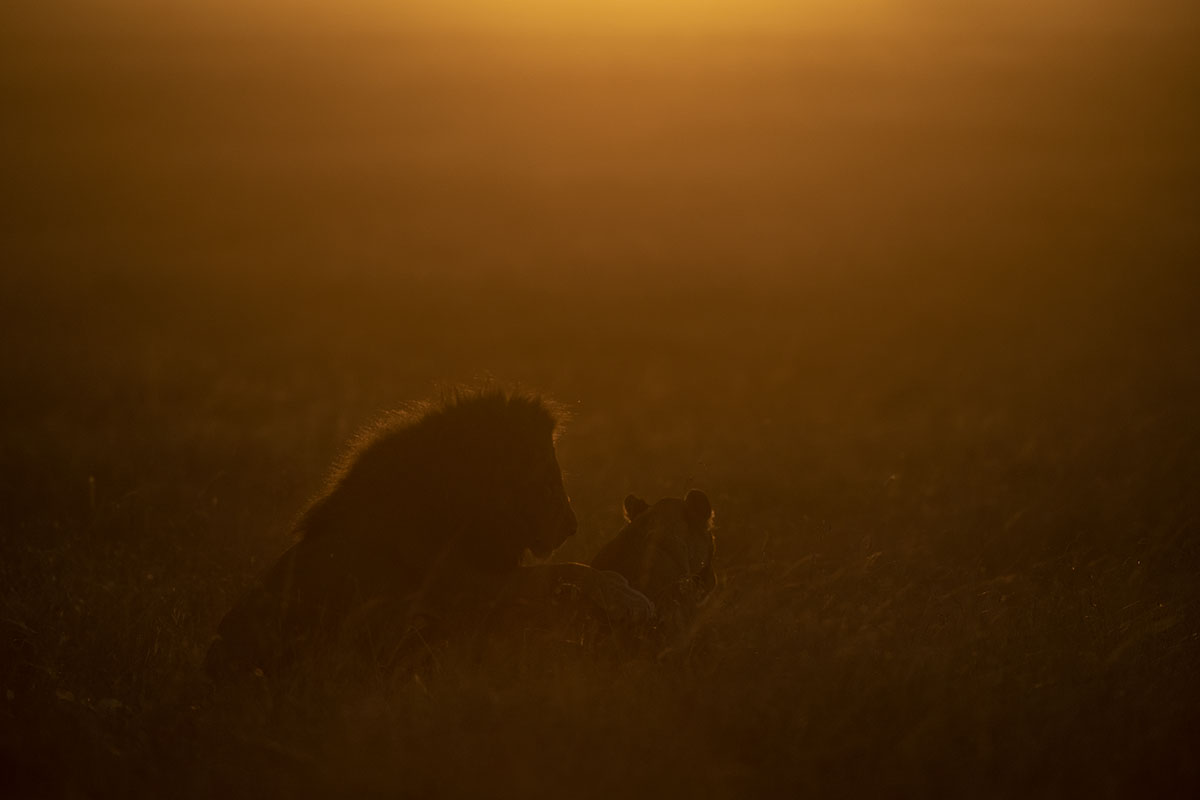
<point x="913" y="301"/>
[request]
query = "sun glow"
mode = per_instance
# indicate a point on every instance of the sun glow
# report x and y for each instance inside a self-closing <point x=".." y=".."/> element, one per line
<point x="578" y="20"/>
<point x="546" y="16"/>
<point x="651" y="16"/>
<point x="628" y="13"/>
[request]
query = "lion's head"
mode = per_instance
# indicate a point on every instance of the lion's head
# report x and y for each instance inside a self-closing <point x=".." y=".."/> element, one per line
<point x="472" y="480"/>
<point x="664" y="548"/>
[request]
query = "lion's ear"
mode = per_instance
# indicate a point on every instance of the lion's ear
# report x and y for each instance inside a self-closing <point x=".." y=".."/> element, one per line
<point x="698" y="505"/>
<point x="634" y="505"/>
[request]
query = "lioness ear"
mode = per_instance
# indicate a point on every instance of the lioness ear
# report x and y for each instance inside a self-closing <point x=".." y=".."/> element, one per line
<point x="698" y="505"/>
<point x="634" y="505"/>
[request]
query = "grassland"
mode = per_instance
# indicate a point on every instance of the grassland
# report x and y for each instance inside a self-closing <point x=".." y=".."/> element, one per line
<point x="919" y="316"/>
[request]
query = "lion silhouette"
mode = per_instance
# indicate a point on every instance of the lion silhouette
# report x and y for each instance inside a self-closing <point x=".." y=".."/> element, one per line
<point x="666" y="552"/>
<point x="426" y="519"/>
<point x="663" y="554"/>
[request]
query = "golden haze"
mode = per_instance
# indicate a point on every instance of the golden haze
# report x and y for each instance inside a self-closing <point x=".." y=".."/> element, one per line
<point x="907" y="288"/>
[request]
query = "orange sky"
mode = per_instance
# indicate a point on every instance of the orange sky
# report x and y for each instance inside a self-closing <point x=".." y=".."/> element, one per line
<point x="763" y="133"/>
<point x="703" y="17"/>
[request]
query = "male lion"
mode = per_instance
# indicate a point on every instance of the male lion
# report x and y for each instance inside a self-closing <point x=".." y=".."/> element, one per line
<point x="420" y="529"/>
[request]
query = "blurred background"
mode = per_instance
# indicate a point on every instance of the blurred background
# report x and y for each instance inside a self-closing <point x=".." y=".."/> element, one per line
<point x="665" y="142"/>
<point x="908" y="286"/>
<point x="773" y="222"/>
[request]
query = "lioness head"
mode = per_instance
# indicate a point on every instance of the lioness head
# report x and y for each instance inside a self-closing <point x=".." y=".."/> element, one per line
<point x="665" y="546"/>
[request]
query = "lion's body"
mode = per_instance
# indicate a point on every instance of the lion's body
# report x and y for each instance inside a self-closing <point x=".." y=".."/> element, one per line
<point x="429" y="515"/>
<point x="663" y="554"/>
<point x="666" y="552"/>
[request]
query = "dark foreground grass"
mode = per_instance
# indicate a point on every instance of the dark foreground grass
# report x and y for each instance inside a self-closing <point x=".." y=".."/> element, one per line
<point x="957" y="550"/>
